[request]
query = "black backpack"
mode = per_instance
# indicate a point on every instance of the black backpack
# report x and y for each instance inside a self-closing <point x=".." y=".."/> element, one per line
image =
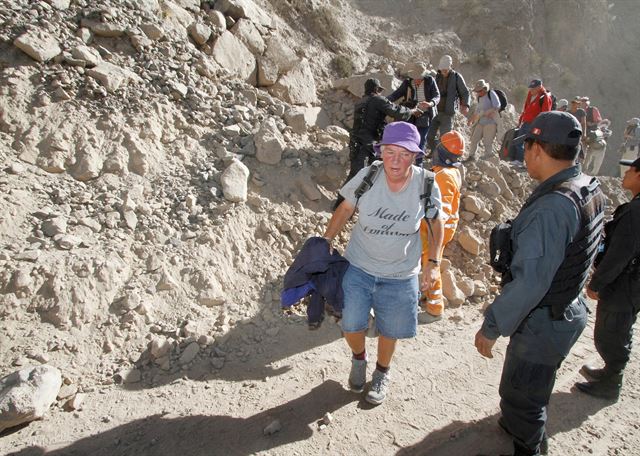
<point x="554" y="100"/>
<point x="503" y="99"/>
<point x="501" y="250"/>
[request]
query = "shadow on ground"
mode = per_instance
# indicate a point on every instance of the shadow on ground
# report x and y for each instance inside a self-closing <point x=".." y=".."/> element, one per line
<point x="249" y="353"/>
<point x="160" y="435"/>
<point x="483" y="437"/>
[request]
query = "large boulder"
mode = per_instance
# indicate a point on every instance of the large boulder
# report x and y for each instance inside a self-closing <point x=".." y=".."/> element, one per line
<point x="267" y="72"/>
<point x="302" y="118"/>
<point x="239" y="9"/>
<point x="27" y="394"/>
<point x="297" y="86"/>
<point x="246" y="32"/>
<point x="217" y="20"/>
<point x="199" y="32"/>
<point x="38" y="45"/>
<point x="281" y="54"/>
<point x="176" y="20"/>
<point x="471" y="241"/>
<point x="87" y="54"/>
<point x="455" y="296"/>
<point x="269" y="143"/>
<point x="355" y="84"/>
<point x="88" y="164"/>
<point x="233" y="55"/>
<point x="234" y="182"/>
<point x="191" y="5"/>
<point x="111" y="76"/>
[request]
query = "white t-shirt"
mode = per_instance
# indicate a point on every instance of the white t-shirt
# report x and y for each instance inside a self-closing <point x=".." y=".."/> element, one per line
<point x="385" y="242"/>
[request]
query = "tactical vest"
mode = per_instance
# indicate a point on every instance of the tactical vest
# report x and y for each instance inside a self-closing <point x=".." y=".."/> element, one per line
<point x="584" y="191"/>
<point x="367" y="125"/>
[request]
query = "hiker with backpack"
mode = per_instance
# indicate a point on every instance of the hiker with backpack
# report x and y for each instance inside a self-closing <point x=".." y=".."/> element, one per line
<point x="484" y="119"/>
<point x="538" y="100"/>
<point x="454" y="95"/>
<point x="392" y="198"/>
<point x="593" y="114"/>
<point x="596" y="147"/>
<point x="419" y="88"/>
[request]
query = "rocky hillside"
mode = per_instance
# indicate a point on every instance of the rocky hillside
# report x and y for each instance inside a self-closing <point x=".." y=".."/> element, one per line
<point x="162" y="162"/>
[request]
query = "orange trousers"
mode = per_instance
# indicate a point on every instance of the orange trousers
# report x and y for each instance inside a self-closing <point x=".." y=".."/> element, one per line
<point x="431" y="300"/>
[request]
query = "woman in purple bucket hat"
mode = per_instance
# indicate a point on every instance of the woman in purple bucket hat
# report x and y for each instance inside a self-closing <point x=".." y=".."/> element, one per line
<point x="384" y="251"/>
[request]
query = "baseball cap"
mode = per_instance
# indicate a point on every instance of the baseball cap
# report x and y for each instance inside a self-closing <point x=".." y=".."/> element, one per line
<point x="635" y="163"/>
<point x="401" y="134"/>
<point x="553" y="127"/>
<point x="371" y="84"/>
<point x="535" y="83"/>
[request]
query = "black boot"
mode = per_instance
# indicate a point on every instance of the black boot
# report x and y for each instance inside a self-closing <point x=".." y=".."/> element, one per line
<point x="607" y="388"/>
<point x="594" y="373"/>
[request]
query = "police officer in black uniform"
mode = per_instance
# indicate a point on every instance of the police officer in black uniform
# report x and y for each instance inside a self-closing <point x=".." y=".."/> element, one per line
<point x="554" y="239"/>
<point x="368" y="123"/>
<point x="616" y="286"/>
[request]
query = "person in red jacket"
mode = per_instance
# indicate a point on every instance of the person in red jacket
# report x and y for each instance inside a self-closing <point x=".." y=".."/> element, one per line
<point x="538" y="100"/>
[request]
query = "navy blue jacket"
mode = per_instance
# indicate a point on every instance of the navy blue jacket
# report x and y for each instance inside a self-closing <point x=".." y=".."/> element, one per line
<point x="431" y="93"/>
<point x="317" y="273"/>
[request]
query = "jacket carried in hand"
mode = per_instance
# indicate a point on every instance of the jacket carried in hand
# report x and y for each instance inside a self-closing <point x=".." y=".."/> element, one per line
<point x="317" y="273"/>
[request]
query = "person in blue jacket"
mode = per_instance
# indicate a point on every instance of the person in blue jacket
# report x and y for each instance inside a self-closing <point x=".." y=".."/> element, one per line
<point x="384" y="253"/>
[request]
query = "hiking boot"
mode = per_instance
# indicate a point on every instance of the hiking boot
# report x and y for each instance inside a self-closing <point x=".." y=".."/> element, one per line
<point x="424" y="318"/>
<point x="379" y="387"/>
<point x="604" y="389"/>
<point x="358" y="375"/>
<point x="544" y="445"/>
<point x="595" y="373"/>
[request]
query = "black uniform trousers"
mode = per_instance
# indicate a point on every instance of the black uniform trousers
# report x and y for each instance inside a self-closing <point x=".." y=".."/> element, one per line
<point x="534" y="354"/>
<point x="613" y="334"/>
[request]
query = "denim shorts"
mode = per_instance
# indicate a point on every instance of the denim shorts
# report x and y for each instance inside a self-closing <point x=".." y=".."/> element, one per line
<point x="394" y="302"/>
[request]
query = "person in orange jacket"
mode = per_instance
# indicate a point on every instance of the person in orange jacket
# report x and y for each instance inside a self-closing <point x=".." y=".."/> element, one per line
<point x="446" y="161"/>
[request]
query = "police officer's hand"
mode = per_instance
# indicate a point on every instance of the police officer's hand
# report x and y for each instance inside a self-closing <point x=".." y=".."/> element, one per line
<point x="592" y="294"/>
<point x="484" y="345"/>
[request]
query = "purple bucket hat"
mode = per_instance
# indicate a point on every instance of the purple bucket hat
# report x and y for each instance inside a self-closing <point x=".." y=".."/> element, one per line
<point x="401" y="134"/>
